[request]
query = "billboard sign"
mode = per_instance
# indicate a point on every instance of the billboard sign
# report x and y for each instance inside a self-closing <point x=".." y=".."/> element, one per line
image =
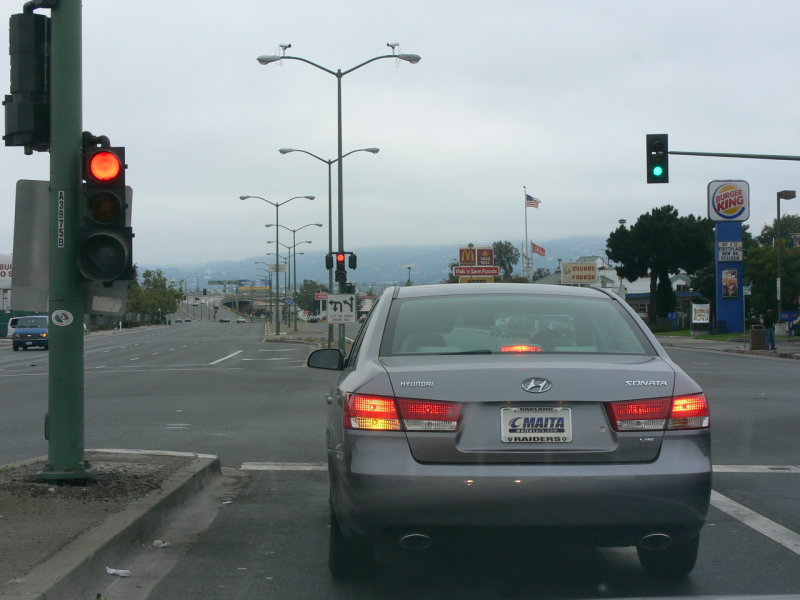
<point x="5" y="271"/>
<point x="728" y="201"/>
<point x="476" y="271"/>
<point x="578" y="273"/>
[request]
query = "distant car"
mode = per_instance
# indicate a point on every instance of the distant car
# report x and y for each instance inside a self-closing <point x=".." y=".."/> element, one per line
<point x="31" y="332"/>
<point x="179" y="320"/>
<point x="240" y="320"/>
<point x="187" y="320"/>
<point x="224" y="320"/>
<point x="513" y="411"/>
<point x="313" y="319"/>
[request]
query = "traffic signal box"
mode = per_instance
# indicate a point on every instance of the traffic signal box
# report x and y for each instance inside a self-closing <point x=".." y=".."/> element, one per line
<point x="105" y="241"/>
<point x="341" y="272"/>
<point x="657" y="158"/>
<point x="339" y="258"/>
<point x="27" y="108"/>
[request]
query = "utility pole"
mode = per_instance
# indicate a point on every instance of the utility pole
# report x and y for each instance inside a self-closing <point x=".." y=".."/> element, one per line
<point x="64" y="423"/>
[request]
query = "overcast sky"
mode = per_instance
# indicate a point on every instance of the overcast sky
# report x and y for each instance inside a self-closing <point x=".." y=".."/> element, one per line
<point x="553" y="95"/>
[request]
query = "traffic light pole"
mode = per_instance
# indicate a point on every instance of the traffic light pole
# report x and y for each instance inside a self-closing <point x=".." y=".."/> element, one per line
<point x="64" y="421"/>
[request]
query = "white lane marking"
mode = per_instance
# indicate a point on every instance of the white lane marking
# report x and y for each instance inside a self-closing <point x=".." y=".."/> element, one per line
<point x="756" y="469"/>
<point x="262" y="359"/>
<point x="280" y="350"/>
<point x="137" y="358"/>
<point x="219" y="360"/>
<point x="777" y="533"/>
<point x="154" y="354"/>
<point x="283" y="466"/>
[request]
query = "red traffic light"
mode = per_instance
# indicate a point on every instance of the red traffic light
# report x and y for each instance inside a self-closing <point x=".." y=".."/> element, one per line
<point x="340" y="258"/>
<point x="105" y="166"/>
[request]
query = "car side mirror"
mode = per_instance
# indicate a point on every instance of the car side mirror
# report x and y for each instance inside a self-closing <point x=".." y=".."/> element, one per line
<point x="326" y="358"/>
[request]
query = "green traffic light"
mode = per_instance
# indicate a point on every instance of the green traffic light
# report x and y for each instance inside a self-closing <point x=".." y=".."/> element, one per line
<point x="658" y="170"/>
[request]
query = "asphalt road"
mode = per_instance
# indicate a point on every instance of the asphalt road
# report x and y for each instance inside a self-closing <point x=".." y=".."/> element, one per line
<point x="215" y="388"/>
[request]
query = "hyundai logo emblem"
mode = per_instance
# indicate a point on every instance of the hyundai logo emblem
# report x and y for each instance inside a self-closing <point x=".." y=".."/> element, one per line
<point x="536" y="385"/>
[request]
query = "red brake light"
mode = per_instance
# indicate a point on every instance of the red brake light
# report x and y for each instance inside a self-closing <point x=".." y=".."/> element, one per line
<point x="371" y="412"/>
<point x="658" y="414"/>
<point x="380" y="413"/>
<point x="639" y="415"/>
<point x="690" y="412"/>
<point x="521" y="348"/>
<point x="429" y="415"/>
<point x="105" y="166"/>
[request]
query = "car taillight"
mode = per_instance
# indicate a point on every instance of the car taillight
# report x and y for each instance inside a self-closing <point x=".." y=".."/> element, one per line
<point x="371" y="412"/>
<point x="656" y="414"/>
<point x="380" y="413"/>
<point x="690" y="412"/>
<point x="429" y="415"/>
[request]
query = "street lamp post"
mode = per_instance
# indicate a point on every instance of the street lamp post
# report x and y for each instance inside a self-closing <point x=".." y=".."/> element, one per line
<point x="782" y="195"/>
<point x="295" y="243"/>
<point x="411" y="58"/>
<point x="277" y="205"/>
<point x="291" y="262"/>
<point x="329" y="162"/>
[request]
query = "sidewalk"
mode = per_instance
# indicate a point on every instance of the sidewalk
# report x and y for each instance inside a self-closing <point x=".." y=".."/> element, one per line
<point x="56" y="540"/>
<point x="787" y="347"/>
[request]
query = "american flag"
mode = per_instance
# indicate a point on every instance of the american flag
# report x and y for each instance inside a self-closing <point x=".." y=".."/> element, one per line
<point x="531" y="202"/>
<point x="536" y="249"/>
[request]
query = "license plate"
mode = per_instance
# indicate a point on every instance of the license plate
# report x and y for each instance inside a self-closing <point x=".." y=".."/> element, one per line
<point x="536" y="424"/>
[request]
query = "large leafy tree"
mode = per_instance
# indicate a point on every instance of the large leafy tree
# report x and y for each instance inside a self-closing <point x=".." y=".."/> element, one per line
<point x="154" y="295"/>
<point x="760" y="268"/>
<point x="505" y="257"/>
<point x="659" y="244"/>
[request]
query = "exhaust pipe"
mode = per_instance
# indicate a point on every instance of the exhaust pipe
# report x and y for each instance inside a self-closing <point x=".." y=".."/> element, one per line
<point x="655" y="541"/>
<point x="416" y="540"/>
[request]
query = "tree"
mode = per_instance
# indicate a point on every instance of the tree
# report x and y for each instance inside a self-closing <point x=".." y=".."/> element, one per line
<point x="306" y="293"/>
<point x="154" y="296"/>
<point x="505" y="257"/>
<point x="541" y="273"/>
<point x="661" y="243"/>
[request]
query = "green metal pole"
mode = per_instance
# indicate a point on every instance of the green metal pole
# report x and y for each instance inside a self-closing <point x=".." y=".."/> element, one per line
<point x="342" y="284"/>
<point x="65" y="419"/>
<point x="330" y="253"/>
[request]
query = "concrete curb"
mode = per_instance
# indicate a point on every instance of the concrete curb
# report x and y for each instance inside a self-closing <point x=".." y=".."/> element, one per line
<point x="79" y="562"/>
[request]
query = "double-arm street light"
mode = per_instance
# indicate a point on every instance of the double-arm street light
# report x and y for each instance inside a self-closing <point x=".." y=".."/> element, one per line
<point x="782" y="195"/>
<point x="339" y="74"/>
<point x="293" y="264"/>
<point x="329" y="162"/>
<point x="277" y="205"/>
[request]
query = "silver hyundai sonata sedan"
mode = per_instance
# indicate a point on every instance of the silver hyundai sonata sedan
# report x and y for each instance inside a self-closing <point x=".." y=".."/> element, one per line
<point x="503" y="409"/>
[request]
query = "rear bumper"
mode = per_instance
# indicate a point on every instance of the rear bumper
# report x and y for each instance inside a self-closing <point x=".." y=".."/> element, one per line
<point x="378" y="486"/>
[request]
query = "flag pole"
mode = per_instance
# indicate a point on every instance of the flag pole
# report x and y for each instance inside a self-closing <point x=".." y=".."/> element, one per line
<point x="526" y="253"/>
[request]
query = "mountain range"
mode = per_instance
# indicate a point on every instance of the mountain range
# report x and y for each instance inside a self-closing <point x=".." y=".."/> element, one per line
<point x="377" y="267"/>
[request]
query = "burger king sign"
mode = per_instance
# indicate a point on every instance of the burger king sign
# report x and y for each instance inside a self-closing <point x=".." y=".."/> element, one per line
<point x="728" y="201"/>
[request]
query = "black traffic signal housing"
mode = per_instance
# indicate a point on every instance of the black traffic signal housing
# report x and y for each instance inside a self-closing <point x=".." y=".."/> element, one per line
<point x="352" y="260"/>
<point x="328" y="261"/>
<point x="27" y="108"/>
<point x="341" y="273"/>
<point x="105" y="239"/>
<point x="657" y="158"/>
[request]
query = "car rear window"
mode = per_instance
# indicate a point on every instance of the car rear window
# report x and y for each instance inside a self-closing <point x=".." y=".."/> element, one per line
<point x="489" y="324"/>
<point x="31" y="322"/>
